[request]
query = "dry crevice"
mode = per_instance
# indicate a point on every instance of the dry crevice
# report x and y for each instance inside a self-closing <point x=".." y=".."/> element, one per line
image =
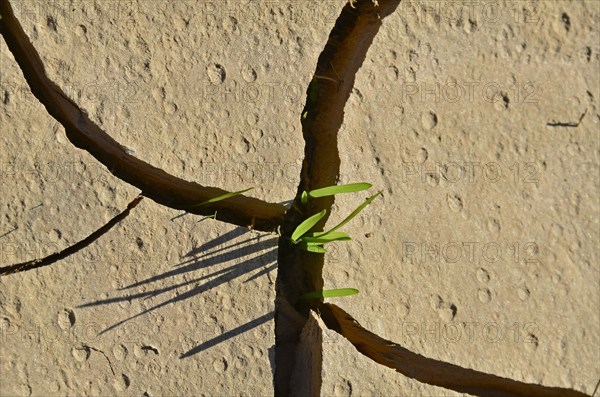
<point x="47" y="261"/>
<point x="428" y="370"/>
<point x="154" y="183"/>
<point x="299" y="271"/>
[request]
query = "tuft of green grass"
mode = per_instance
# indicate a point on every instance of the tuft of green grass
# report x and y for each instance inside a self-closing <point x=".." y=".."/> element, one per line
<point x="313" y="242"/>
<point x="329" y="293"/>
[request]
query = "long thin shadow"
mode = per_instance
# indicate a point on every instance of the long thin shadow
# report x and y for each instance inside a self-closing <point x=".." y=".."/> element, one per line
<point x="224" y="278"/>
<point x="222" y="239"/>
<point x="262" y="272"/>
<point x="140" y="295"/>
<point x="196" y="255"/>
<point x="229" y="334"/>
<point x="262" y="263"/>
<point x="160" y="291"/>
<point x="197" y="252"/>
<point x="202" y="263"/>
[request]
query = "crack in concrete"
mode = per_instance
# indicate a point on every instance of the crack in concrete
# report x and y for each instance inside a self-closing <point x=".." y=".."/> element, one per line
<point x="567" y="124"/>
<point x="298" y="347"/>
<point x="428" y="370"/>
<point x="48" y="260"/>
<point x="104" y="354"/>
<point x="154" y="182"/>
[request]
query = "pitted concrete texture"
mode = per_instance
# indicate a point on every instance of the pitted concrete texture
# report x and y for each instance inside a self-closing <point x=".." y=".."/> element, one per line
<point x="482" y="250"/>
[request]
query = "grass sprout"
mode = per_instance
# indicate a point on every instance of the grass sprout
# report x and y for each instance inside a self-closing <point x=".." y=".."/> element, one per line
<point x="333" y="190"/>
<point x="327" y="238"/>
<point x="349" y="217"/>
<point x="306" y="226"/>
<point x="313" y="242"/>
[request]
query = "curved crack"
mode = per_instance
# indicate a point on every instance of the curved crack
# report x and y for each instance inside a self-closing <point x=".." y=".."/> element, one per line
<point x="154" y="183"/>
<point x="428" y="370"/>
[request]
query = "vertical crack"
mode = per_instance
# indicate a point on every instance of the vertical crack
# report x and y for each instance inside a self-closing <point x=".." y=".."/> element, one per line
<point x="297" y="339"/>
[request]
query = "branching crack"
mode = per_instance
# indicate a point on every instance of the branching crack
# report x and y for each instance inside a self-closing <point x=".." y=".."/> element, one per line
<point x="299" y="271"/>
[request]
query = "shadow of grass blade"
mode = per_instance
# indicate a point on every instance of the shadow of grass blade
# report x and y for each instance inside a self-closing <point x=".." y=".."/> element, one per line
<point x="330" y="293"/>
<point x="307" y="225"/>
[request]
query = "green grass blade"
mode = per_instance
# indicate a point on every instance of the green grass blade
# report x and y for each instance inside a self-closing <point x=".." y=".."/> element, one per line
<point x="337" y="189"/>
<point x="313" y="247"/>
<point x="349" y="217"/>
<point x="307" y="225"/>
<point x="330" y="293"/>
<point x="223" y="197"/>
<point x="326" y="238"/>
<point x="304" y="198"/>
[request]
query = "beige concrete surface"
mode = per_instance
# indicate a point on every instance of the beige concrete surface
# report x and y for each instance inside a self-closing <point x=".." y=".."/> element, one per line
<point x="483" y="250"/>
